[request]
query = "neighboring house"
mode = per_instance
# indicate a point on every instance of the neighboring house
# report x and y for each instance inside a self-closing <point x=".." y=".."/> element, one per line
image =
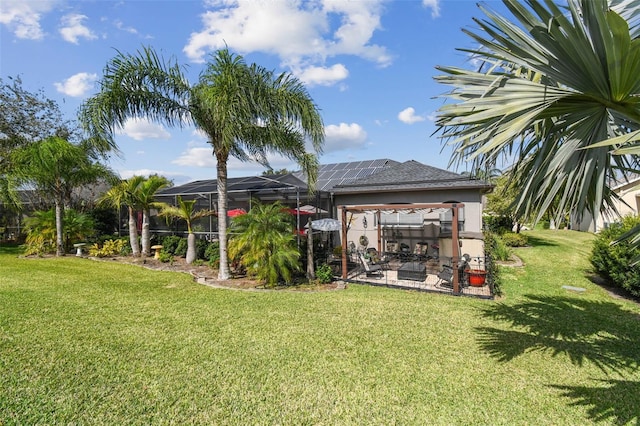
<point x="629" y="204"/>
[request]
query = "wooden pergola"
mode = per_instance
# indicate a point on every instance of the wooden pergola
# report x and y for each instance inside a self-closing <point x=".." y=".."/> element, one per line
<point x="402" y="208"/>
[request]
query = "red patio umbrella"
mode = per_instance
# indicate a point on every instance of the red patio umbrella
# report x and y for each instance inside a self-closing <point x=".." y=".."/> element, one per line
<point x="236" y="212"/>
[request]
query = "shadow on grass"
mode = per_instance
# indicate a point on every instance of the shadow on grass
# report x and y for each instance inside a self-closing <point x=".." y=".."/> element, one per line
<point x="539" y="242"/>
<point x="615" y="402"/>
<point x="584" y="331"/>
<point x="10" y="249"/>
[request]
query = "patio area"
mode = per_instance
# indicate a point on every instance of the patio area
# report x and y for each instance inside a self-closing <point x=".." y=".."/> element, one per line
<point x="422" y="275"/>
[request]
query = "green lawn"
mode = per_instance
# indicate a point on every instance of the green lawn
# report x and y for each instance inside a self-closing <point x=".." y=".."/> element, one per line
<point x="85" y="342"/>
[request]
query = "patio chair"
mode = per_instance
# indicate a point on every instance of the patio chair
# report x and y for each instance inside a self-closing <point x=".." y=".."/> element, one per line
<point x="370" y="269"/>
<point x="445" y="276"/>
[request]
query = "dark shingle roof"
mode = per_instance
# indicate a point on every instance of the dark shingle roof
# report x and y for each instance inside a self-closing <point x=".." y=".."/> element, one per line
<point x="250" y="183"/>
<point x="408" y="176"/>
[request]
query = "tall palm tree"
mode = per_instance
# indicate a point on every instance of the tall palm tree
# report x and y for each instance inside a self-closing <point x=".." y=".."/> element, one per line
<point x="145" y="194"/>
<point x="186" y="211"/>
<point x="264" y="241"/>
<point x="124" y="193"/>
<point x="245" y="110"/>
<point x="55" y="167"/>
<point x="556" y="86"/>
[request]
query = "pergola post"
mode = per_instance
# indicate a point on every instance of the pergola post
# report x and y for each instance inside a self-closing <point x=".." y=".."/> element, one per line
<point x="378" y="217"/>
<point x="344" y="243"/>
<point x="455" y="248"/>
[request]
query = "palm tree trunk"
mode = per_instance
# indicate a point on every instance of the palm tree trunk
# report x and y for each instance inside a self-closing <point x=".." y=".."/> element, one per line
<point x="133" y="233"/>
<point x="221" y="166"/>
<point x="59" y="238"/>
<point x="146" y="235"/>
<point x="191" y="248"/>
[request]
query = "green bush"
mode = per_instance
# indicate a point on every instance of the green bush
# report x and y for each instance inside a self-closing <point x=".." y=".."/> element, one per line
<point x="613" y="261"/>
<point x="170" y="243"/>
<point x="495" y="247"/>
<point x="201" y="248"/>
<point x="498" y="224"/>
<point x="324" y="274"/>
<point x="181" y="248"/>
<point x="492" y="247"/>
<point x="511" y="239"/>
<point x="117" y="247"/>
<point x="165" y="257"/>
<point x="212" y="254"/>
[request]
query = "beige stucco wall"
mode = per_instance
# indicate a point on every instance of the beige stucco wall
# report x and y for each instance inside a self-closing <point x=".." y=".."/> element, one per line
<point x="417" y="228"/>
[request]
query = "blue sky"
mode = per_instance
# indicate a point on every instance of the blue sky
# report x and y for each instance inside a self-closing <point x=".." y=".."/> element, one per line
<point x="369" y="66"/>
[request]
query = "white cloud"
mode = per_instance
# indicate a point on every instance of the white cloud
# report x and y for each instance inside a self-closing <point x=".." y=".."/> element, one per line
<point x="126" y="174"/>
<point x="434" y="5"/>
<point x="408" y="116"/>
<point x="199" y="155"/>
<point x="77" y="85"/>
<point x="140" y="129"/>
<point x="196" y="156"/>
<point x="23" y="17"/>
<point x="302" y="34"/>
<point x="323" y="76"/>
<point x="73" y="29"/>
<point x="120" y="25"/>
<point x="344" y="136"/>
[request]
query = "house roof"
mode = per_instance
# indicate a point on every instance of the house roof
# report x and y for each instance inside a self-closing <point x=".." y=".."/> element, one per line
<point x="331" y="175"/>
<point x="411" y="175"/>
<point x="356" y="176"/>
<point x="243" y="184"/>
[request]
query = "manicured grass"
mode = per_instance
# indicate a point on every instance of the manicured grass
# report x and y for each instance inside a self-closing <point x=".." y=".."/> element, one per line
<point x="84" y="342"/>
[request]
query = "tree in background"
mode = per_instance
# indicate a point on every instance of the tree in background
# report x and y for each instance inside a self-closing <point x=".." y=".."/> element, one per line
<point x="265" y="244"/>
<point x="557" y="91"/>
<point x="42" y="230"/>
<point x="55" y="166"/>
<point x="145" y="194"/>
<point x="186" y="211"/>
<point x="123" y="194"/>
<point x="245" y="110"/>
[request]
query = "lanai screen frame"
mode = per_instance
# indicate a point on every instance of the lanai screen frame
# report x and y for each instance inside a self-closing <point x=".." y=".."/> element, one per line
<point x="378" y="208"/>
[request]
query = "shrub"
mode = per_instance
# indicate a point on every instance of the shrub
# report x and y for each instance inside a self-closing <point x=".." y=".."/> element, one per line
<point x="324" y="274"/>
<point x="201" y="248"/>
<point x="511" y="239"/>
<point x="212" y="254"/>
<point x="498" y="224"/>
<point x="165" y="257"/>
<point x="491" y="248"/>
<point x="181" y="248"/>
<point x="613" y="261"/>
<point x="170" y="243"/>
<point x="117" y="247"/>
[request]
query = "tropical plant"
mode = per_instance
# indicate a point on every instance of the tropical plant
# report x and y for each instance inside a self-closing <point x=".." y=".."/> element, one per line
<point x="145" y="194"/>
<point x="613" y="261"/>
<point x="55" y="166"/>
<point x="245" y="110"/>
<point x="124" y="193"/>
<point x="556" y="92"/>
<point x="264" y="243"/>
<point x="186" y="211"/>
<point x="41" y="230"/>
<point x="113" y="247"/>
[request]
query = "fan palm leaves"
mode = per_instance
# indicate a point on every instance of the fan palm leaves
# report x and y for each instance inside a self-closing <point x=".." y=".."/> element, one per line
<point x="244" y="110"/>
<point x="556" y="85"/>
<point x="185" y="210"/>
